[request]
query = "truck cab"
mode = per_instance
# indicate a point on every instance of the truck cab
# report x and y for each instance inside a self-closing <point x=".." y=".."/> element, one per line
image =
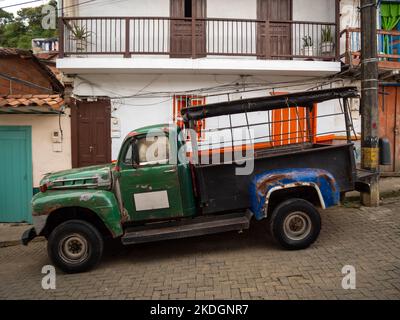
<point x="154" y="184"/>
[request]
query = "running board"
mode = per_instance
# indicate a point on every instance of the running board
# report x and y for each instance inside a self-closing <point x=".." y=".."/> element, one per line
<point x="187" y="228"/>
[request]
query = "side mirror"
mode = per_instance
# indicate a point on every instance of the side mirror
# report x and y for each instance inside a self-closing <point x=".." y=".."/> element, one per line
<point x="385" y="156"/>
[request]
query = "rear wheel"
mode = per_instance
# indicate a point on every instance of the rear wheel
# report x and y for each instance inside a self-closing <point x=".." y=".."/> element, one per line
<point x="75" y="246"/>
<point x="295" y="224"/>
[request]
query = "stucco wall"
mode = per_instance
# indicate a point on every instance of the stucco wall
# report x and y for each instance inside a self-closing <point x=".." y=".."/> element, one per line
<point x="44" y="159"/>
<point x="322" y="10"/>
<point x="123" y="8"/>
<point x="350" y="16"/>
<point x="137" y="112"/>
<point x="232" y="9"/>
<point x="311" y="10"/>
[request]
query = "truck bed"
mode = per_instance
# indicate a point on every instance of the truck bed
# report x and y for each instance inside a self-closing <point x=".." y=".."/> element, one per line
<point x="336" y="159"/>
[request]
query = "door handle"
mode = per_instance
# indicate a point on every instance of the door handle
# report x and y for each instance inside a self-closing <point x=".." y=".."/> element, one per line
<point x="90" y="149"/>
<point x="170" y="171"/>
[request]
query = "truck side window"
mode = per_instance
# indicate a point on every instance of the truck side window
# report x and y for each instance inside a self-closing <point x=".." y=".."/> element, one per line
<point x="128" y="156"/>
<point x="153" y="150"/>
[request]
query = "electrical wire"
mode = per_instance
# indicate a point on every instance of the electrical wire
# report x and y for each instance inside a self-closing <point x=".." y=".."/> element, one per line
<point x="88" y="2"/>
<point x="220" y="90"/>
<point x="19" y="4"/>
<point x="216" y="90"/>
<point x="147" y="105"/>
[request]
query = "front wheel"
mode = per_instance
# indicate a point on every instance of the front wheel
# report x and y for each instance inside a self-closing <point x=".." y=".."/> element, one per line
<point x="75" y="246"/>
<point x="295" y="224"/>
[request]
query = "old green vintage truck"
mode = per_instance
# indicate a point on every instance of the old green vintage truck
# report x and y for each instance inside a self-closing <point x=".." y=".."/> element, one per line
<point x="139" y="199"/>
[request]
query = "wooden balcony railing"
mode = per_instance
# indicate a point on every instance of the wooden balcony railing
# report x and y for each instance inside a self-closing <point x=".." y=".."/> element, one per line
<point x="195" y="38"/>
<point x="388" y="47"/>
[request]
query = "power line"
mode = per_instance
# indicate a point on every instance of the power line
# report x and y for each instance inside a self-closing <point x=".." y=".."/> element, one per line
<point x="58" y="9"/>
<point x="19" y="4"/>
<point x="221" y="90"/>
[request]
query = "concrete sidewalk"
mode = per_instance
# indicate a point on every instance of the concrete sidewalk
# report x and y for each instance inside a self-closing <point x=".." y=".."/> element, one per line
<point x="10" y="233"/>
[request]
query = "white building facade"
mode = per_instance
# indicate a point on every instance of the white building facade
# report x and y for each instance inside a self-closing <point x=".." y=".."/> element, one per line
<point x="151" y="58"/>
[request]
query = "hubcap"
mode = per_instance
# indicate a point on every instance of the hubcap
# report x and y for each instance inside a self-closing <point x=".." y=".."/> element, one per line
<point x="297" y="226"/>
<point x="73" y="248"/>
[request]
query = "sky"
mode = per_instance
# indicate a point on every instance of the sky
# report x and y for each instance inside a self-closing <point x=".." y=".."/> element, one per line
<point x="14" y="10"/>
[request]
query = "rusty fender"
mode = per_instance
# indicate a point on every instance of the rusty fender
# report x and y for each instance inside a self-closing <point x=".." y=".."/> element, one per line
<point x="265" y="184"/>
<point x="101" y="202"/>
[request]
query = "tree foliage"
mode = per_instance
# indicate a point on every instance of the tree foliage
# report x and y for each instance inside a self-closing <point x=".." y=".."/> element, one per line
<point x="18" y="31"/>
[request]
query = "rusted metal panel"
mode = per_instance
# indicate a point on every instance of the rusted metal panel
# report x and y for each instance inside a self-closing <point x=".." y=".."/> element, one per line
<point x="263" y="185"/>
<point x="101" y="202"/>
<point x="336" y="160"/>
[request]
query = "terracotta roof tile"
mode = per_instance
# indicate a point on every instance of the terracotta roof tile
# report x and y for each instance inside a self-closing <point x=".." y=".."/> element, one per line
<point x="15" y="101"/>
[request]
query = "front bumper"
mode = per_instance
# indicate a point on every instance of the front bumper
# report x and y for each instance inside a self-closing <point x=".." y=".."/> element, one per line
<point x="28" y="236"/>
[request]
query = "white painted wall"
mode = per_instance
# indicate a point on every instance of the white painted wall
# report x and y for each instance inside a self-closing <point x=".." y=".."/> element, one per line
<point x="232" y="9"/>
<point x="350" y="16"/>
<point x="122" y="8"/>
<point x="312" y="10"/>
<point x="137" y="112"/>
<point x="44" y="159"/>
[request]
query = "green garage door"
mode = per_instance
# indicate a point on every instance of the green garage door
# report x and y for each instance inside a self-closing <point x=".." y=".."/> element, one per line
<point x="15" y="173"/>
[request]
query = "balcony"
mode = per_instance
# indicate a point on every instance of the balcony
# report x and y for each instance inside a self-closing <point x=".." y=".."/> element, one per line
<point x="197" y="38"/>
<point x="388" y="48"/>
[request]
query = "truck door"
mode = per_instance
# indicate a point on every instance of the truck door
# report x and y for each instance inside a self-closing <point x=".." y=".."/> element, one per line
<point x="150" y="185"/>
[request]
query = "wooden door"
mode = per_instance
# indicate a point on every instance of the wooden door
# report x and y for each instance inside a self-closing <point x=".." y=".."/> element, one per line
<point x="389" y="123"/>
<point x="91" y="133"/>
<point x="278" y="41"/>
<point x="181" y="28"/>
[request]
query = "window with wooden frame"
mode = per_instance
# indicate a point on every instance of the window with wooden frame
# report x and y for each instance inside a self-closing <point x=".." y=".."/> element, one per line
<point x="187" y="101"/>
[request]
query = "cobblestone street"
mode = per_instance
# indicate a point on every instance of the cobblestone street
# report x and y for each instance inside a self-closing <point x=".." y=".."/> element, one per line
<point x="230" y="265"/>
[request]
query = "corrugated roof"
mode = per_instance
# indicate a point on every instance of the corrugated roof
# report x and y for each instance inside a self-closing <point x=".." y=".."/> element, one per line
<point x="37" y="100"/>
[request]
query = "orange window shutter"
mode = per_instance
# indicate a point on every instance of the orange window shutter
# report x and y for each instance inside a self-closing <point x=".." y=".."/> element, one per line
<point x="200" y="125"/>
<point x="276" y="127"/>
<point x="290" y="125"/>
<point x="293" y="124"/>
<point x="314" y="118"/>
<point x="179" y="104"/>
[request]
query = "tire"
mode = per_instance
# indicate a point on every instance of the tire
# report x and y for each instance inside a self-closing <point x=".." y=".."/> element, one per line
<point x="75" y="246"/>
<point x="295" y="224"/>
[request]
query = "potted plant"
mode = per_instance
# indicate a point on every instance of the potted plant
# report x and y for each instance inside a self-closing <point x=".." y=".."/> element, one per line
<point x="308" y="46"/>
<point x="327" y="40"/>
<point x="80" y="35"/>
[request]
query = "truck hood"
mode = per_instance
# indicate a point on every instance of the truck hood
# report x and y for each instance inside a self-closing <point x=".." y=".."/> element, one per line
<point x="93" y="177"/>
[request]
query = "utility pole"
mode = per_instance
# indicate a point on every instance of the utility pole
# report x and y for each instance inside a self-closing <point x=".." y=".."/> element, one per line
<point x="369" y="99"/>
